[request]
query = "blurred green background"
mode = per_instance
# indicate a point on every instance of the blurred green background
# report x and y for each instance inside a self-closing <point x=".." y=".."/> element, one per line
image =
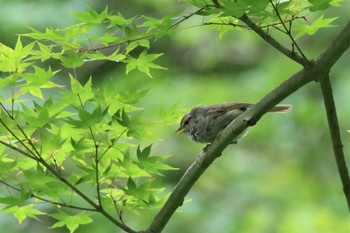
<point x="281" y="177"/>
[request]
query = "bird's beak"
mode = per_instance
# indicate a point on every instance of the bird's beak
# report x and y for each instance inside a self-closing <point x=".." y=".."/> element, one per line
<point x="180" y="131"/>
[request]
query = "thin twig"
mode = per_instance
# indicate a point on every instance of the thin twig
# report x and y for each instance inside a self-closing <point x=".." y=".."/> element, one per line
<point x="128" y="41"/>
<point x="274" y="25"/>
<point x="96" y="160"/>
<point x="19" y="150"/>
<point x="119" y="212"/>
<point x="335" y="136"/>
<point x="287" y="31"/>
<point x="227" y="24"/>
<point x="18" y="139"/>
<point x="97" y="176"/>
<point x="112" y="144"/>
<point x="29" y="140"/>
<point x="274" y="43"/>
<point x="7" y="111"/>
<point x="49" y="201"/>
<point x="34" y="152"/>
<point x="187" y="17"/>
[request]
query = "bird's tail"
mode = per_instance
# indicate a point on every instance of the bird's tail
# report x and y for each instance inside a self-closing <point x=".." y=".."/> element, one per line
<point x="281" y="108"/>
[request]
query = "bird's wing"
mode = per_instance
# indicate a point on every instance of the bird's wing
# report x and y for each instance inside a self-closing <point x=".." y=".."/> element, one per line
<point x="236" y="105"/>
<point x="219" y="109"/>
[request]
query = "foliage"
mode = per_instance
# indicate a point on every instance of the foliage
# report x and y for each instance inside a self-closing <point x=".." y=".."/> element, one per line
<point x="83" y="147"/>
<point x="82" y="136"/>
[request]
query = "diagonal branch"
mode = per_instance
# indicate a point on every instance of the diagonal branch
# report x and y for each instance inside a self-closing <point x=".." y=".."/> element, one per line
<point x="215" y="149"/>
<point x="12" y="147"/>
<point x="245" y="120"/>
<point x="34" y="152"/>
<point x="335" y="50"/>
<point x="32" y="195"/>
<point x="335" y="136"/>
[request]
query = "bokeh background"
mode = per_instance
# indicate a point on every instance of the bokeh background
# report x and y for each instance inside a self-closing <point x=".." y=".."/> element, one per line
<point x="281" y="177"/>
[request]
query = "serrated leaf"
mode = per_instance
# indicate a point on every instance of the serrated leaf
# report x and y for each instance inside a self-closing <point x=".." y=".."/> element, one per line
<point x="122" y="118"/>
<point x="12" y="60"/>
<point x="72" y="222"/>
<point x="22" y="212"/>
<point x="143" y="154"/>
<point x="79" y="145"/>
<point x="11" y="79"/>
<point x="131" y="184"/>
<point x="96" y="116"/>
<point x="319" y="23"/>
<point x="118" y="20"/>
<point x="130" y="168"/>
<point x="134" y="44"/>
<point x="72" y="60"/>
<point x="92" y="16"/>
<point x="143" y="63"/>
<point x="85" y="92"/>
<point x="234" y="9"/>
<point x="11" y="201"/>
<point x="172" y="114"/>
<point x="154" y="164"/>
<point x="36" y="91"/>
<point x="45" y="52"/>
<point x="131" y="31"/>
<point x="76" y="86"/>
<point x="319" y="5"/>
<point x="132" y="95"/>
<point x="6" y="164"/>
<point x="152" y="199"/>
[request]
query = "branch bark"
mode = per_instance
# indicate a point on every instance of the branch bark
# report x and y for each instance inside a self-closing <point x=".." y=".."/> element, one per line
<point x="314" y="71"/>
<point x="274" y="43"/>
<point x="335" y="136"/>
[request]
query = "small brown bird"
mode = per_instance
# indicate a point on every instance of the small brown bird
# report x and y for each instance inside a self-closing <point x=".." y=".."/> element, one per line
<point x="204" y="123"/>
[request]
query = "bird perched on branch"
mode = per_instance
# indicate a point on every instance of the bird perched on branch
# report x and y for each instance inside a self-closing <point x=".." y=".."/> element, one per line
<point x="202" y="124"/>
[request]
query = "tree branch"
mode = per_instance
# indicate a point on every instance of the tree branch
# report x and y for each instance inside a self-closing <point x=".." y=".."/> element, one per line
<point x="287" y="30"/>
<point x="8" y="145"/>
<point x="49" y="201"/>
<point x="335" y="50"/>
<point x="85" y="197"/>
<point x="248" y="118"/>
<point x="274" y="43"/>
<point x="38" y="158"/>
<point x="274" y="25"/>
<point x="335" y="136"/>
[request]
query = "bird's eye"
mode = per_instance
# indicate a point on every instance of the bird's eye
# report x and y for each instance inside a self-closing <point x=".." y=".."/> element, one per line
<point x="186" y="120"/>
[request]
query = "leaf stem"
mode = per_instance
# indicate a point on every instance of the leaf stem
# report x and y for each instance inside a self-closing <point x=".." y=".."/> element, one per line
<point x="97" y="176"/>
<point x="288" y="31"/>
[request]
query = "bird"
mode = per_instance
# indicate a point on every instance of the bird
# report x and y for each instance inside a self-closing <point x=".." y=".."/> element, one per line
<point x="203" y="123"/>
